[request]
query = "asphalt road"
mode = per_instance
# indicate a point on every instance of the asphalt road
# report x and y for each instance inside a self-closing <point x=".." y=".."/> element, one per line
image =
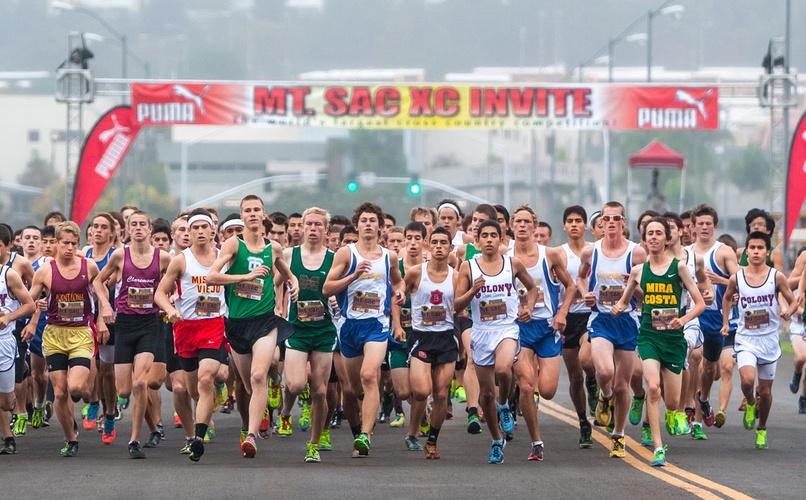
<point x="725" y="466"/>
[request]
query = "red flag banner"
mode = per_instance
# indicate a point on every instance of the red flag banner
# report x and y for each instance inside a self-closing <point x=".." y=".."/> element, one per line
<point x="103" y="151"/>
<point x="796" y="183"/>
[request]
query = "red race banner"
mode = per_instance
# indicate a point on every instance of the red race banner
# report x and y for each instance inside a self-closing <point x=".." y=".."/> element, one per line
<point x="547" y="106"/>
<point x="796" y="183"/>
<point x="103" y="151"/>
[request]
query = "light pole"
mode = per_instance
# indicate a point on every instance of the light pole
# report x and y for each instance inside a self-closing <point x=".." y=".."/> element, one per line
<point x="183" y="165"/>
<point x="676" y="11"/>
<point x="143" y="64"/>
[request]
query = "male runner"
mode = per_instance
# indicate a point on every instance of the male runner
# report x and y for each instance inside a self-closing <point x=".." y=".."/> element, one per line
<point x="757" y="344"/>
<point x="67" y="340"/>
<point x="542" y="235"/>
<point x="488" y="285"/>
<point x="198" y="325"/>
<point x="602" y="273"/>
<point x="315" y="335"/>
<point x="365" y="281"/>
<point x="137" y="328"/>
<point x="434" y="348"/>
<point x="252" y="325"/>
<point x="661" y="343"/>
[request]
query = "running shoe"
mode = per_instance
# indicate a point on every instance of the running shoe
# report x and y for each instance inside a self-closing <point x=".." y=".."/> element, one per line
<point x="708" y="416"/>
<point x="505" y="419"/>
<point x="593" y="394"/>
<point x="741" y="405"/>
<point x="71" y="450"/>
<point x="473" y="424"/>
<point x="109" y="433"/>
<point x="497" y="452"/>
<point x="134" y="450"/>
<point x="244" y="433"/>
<point x="460" y="394"/>
<point x="304" y="396"/>
<point x="749" y="419"/>
<point x="91" y="416"/>
<point x="9" y="446"/>
<point x="537" y="398"/>
<point x="398" y="421"/>
<point x="338" y="415"/>
<point x="19" y="425"/>
<point x="285" y="429"/>
<point x="265" y="424"/>
<point x="220" y="394"/>
<point x="248" y="447"/>
<point x="324" y="441"/>
<point x="449" y="414"/>
<point x="646" y="436"/>
<point x="585" y="438"/>
<point x="794" y="384"/>
<point x="275" y="395"/>
<point x="196" y="450"/>
<point x="118" y="413"/>
<point x="481" y="416"/>
<point x="425" y="425"/>
<point x="153" y="440"/>
<point x="761" y="439"/>
<point x="637" y="410"/>
<point x="229" y="405"/>
<point x="682" y="427"/>
<point x="618" y="450"/>
<point x="431" y="452"/>
<point x="604" y="411"/>
<point x="123" y="402"/>
<point x="177" y="421"/>
<point x="697" y="433"/>
<point x="305" y="418"/>
<point x="719" y="419"/>
<point x="312" y="456"/>
<point x="659" y="460"/>
<point x="48" y="410"/>
<point x="671" y="423"/>
<point x="37" y="419"/>
<point x="209" y="435"/>
<point x="387" y="406"/>
<point x="186" y="449"/>
<point x="412" y="444"/>
<point x="161" y="430"/>
<point x="537" y="453"/>
<point x="801" y="405"/>
<point x="361" y="444"/>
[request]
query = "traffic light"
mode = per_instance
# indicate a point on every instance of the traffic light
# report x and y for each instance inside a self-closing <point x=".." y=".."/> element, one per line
<point x="352" y="186"/>
<point x="414" y="185"/>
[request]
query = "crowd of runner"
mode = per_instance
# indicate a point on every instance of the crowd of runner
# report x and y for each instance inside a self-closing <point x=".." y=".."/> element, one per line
<point x="351" y="317"/>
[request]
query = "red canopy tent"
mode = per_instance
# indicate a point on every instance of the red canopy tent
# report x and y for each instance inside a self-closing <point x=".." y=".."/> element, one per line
<point x="655" y="156"/>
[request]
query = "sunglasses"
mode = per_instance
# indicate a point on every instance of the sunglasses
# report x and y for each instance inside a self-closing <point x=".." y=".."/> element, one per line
<point x="615" y="218"/>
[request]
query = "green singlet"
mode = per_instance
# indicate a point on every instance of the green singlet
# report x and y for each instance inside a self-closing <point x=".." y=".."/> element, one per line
<point x="250" y="299"/>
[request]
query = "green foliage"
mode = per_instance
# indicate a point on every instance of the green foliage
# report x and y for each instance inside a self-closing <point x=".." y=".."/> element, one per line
<point x="38" y="172"/>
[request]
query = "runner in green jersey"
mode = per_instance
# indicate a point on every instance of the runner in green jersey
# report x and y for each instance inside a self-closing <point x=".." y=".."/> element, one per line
<point x="252" y="326"/>
<point x="661" y="344"/>
<point x="315" y="335"/>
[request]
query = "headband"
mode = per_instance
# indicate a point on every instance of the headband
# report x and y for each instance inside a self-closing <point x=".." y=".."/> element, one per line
<point x="200" y="217"/>
<point x="595" y="215"/>
<point x="232" y="222"/>
<point x="452" y="207"/>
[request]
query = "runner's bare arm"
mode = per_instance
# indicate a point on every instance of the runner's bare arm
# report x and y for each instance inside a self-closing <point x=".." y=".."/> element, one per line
<point x="699" y="302"/>
<point x="703" y="283"/>
<point x="227" y="256"/>
<point x="557" y="263"/>
<point x="162" y="296"/>
<point x="582" y="275"/>
<point x="783" y="289"/>
<point x="633" y="283"/>
<point x="285" y="271"/>
<point x="464" y="288"/>
<point x="525" y="310"/>
<point x="412" y="279"/>
<point x="27" y="306"/>
<point x="727" y="304"/>
<point x="396" y="280"/>
<point x="336" y="281"/>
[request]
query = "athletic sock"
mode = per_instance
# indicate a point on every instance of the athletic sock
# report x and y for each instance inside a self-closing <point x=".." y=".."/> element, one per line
<point x="535" y="443"/>
<point x="355" y="429"/>
<point x="433" y="434"/>
<point x="398" y="405"/>
<point x="201" y="430"/>
<point x="473" y="410"/>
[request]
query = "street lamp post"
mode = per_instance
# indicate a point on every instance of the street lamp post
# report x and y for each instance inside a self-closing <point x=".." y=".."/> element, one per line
<point x="675" y="10"/>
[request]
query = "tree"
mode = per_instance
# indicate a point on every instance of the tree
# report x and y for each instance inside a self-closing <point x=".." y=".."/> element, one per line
<point x="38" y="172"/>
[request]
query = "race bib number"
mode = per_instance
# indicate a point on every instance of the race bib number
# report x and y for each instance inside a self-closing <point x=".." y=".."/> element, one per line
<point x="71" y="311"/>
<point x="140" y="298"/>
<point x="578" y="298"/>
<point x="491" y="310"/>
<point x="405" y="317"/>
<point x="434" y="315"/>
<point x="207" y="306"/>
<point x="251" y="290"/>
<point x="540" y="301"/>
<point x="609" y="295"/>
<point x="366" y="302"/>
<point x="310" y="310"/>
<point x="756" y="318"/>
<point x="661" y="318"/>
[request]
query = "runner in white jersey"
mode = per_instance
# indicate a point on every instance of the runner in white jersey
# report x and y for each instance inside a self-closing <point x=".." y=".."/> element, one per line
<point x="487" y="284"/>
<point x="197" y="318"/>
<point x="15" y="303"/>
<point x="434" y="349"/>
<point x="602" y="274"/>
<point x="720" y="264"/>
<point x="757" y="347"/>
<point x="797" y="334"/>
<point x="691" y="330"/>
<point x="576" y="348"/>
<point x="542" y="336"/>
<point x="365" y="283"/>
